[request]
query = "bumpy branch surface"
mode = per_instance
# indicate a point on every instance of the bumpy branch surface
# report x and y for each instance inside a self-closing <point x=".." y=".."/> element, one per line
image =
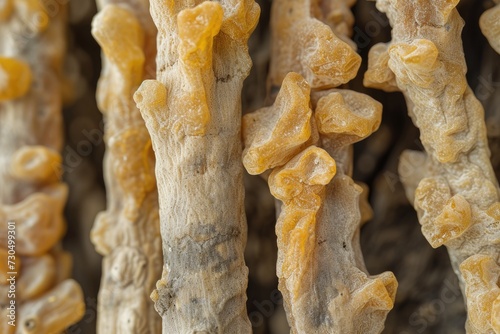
<point x="453" y="187"/>
<point x="322" y="276"/>
<point x="304" y="44"/>
<point x="193" y="114"/>
<point x="358" y="300"/>
<point x="31" y="195"/>
<point x="127" y="234"/>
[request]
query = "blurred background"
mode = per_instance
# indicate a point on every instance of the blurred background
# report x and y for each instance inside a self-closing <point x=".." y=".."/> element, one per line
<point x="428" y="298"/>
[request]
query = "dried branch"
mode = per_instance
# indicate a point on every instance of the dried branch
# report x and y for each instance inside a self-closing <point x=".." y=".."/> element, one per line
<point x="31" y="193"/>
<point x="322" y="276"/>
<point x="454" y="190"/>
<point x="193" y="114"/>
<point x="128" y="232"/>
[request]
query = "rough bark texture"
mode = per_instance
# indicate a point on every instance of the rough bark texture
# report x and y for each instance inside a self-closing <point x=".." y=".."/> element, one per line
<point x="127" y="234"/>
<point x="453" y="186"/>
<point x="193" y="114"/>
<point x="32" y="195"/>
